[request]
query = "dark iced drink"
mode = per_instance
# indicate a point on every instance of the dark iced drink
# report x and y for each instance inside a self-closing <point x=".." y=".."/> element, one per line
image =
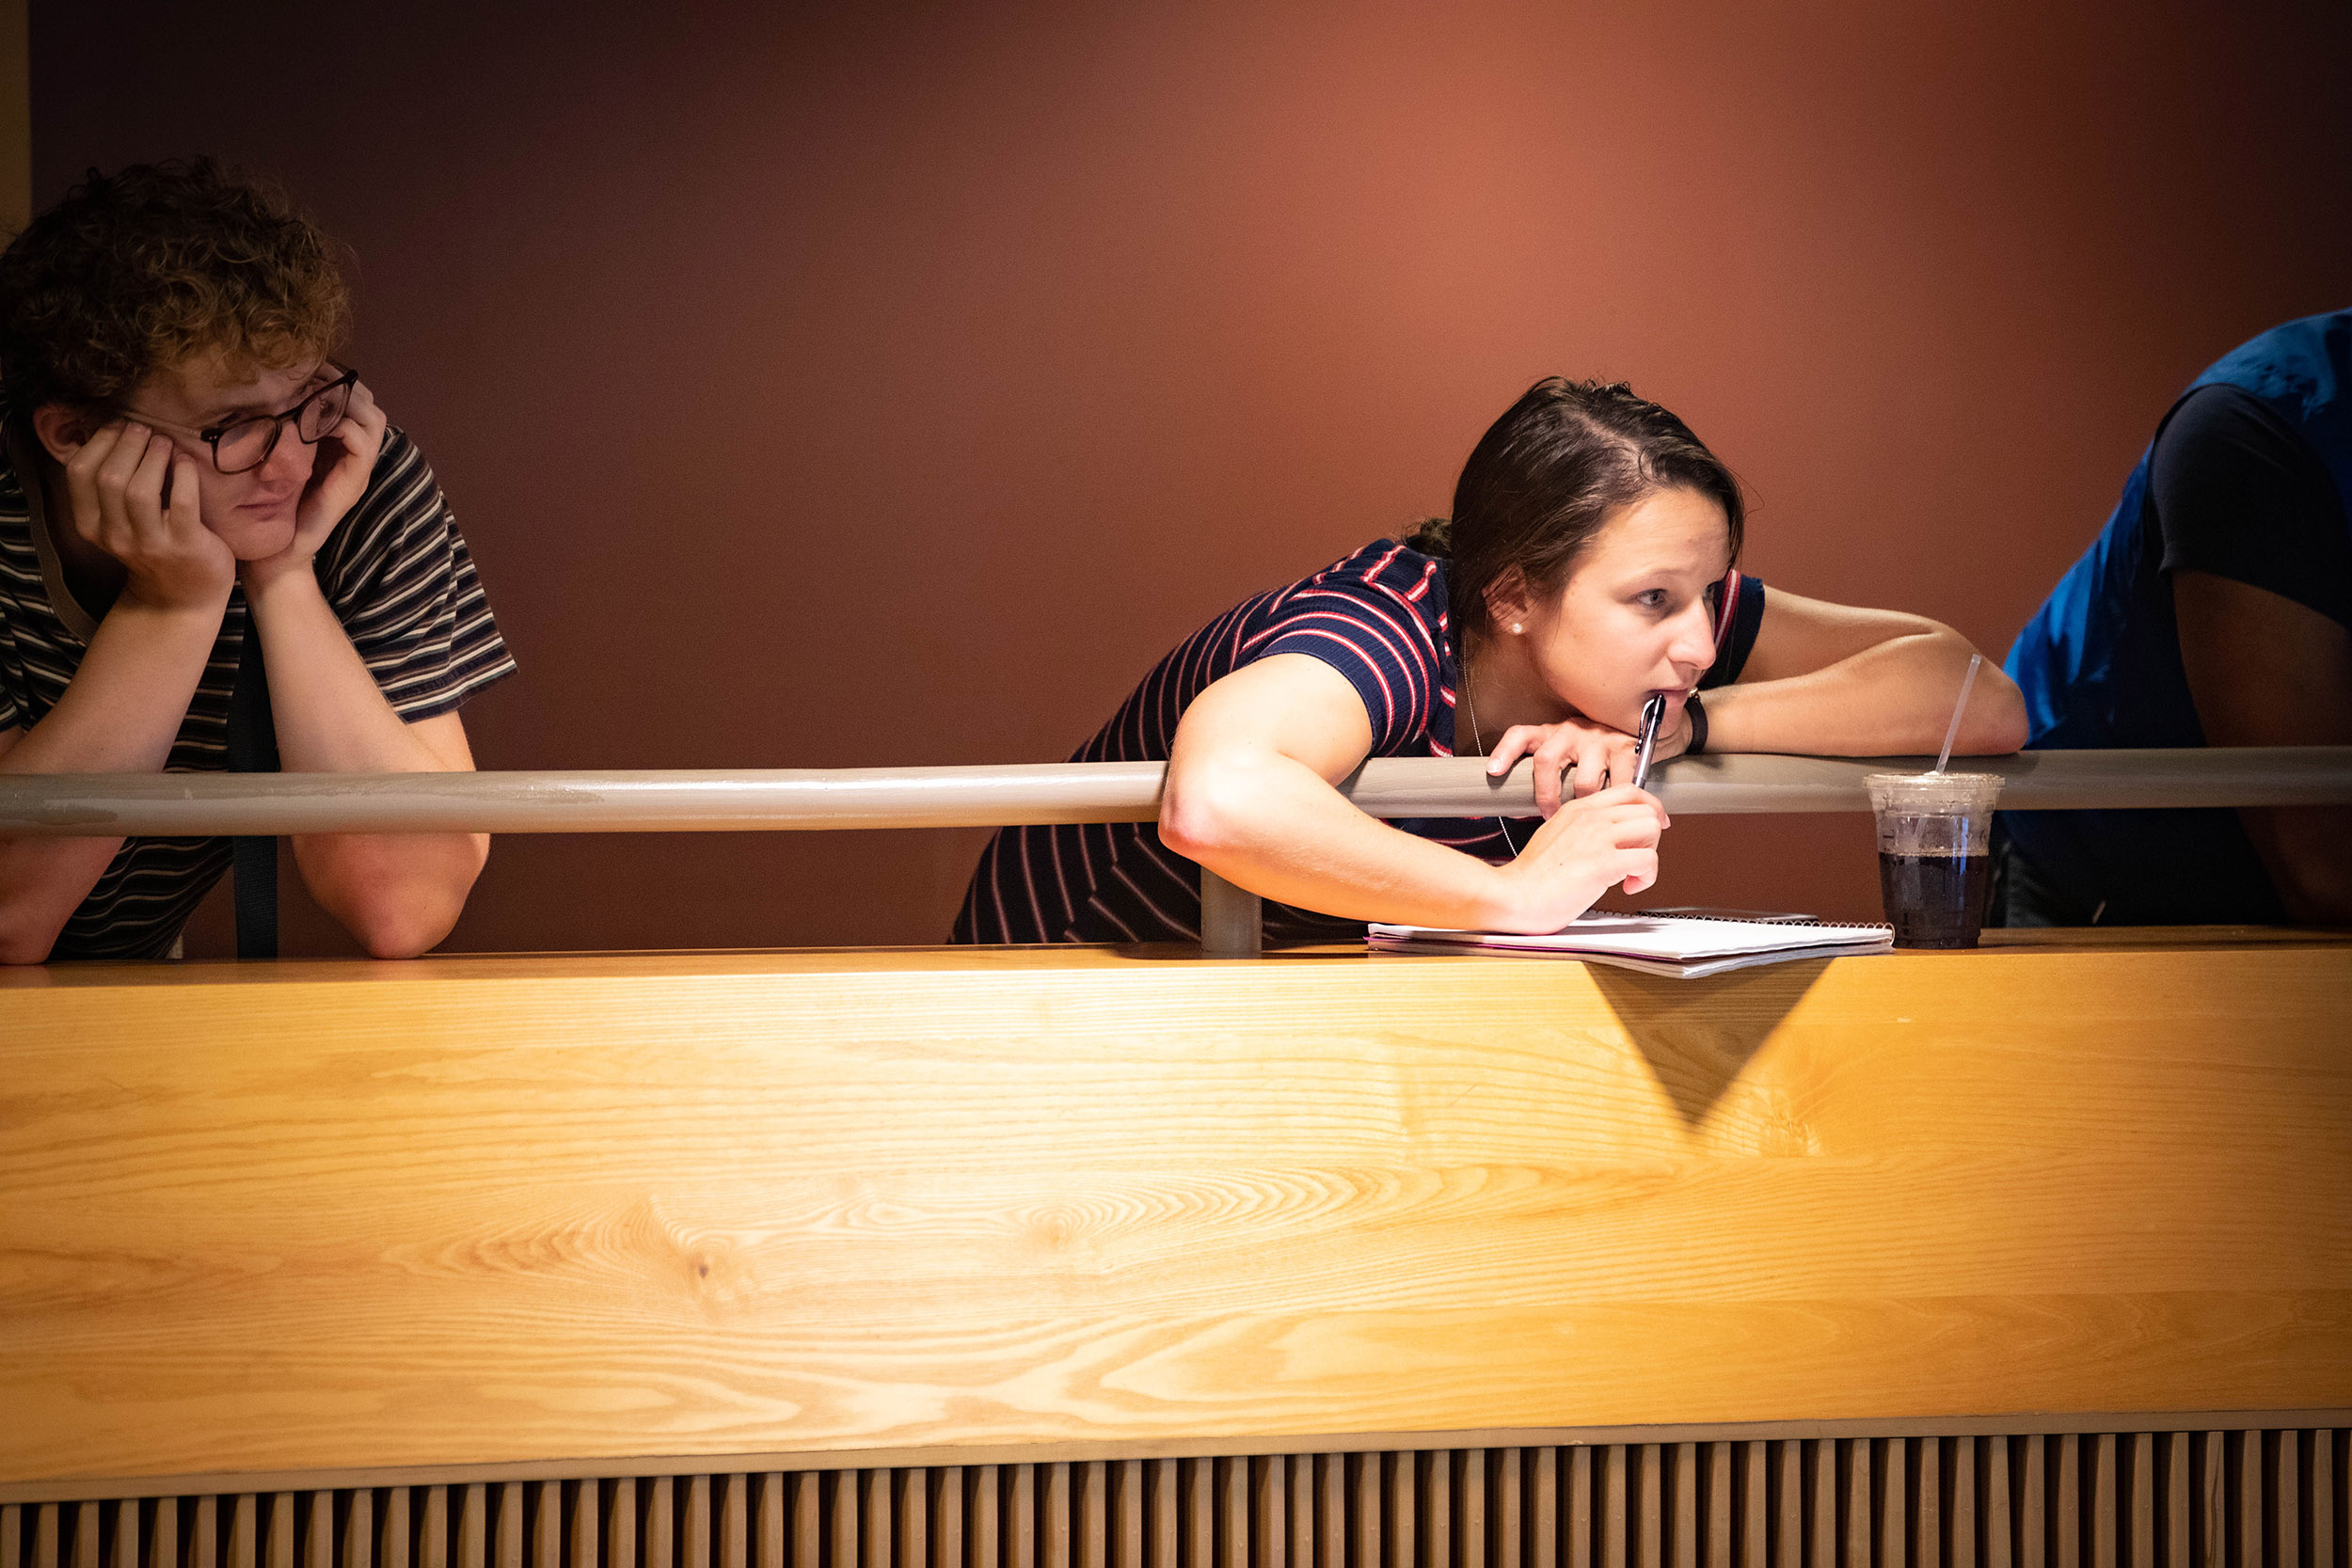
<point x="1934" y="900"/>
<point x="1935" y="832"/>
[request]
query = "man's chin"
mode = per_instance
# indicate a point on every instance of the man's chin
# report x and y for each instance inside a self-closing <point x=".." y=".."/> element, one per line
<point x="258" y="538"/>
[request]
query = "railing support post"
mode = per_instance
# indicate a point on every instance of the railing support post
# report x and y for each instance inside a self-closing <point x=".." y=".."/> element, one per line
<point x="1231" y="921"/>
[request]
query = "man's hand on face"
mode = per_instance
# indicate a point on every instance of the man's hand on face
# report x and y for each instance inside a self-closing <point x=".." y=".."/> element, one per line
<point x="347" y="457"/>
<point x="346" y="460"/>
<point x="115" y="485"/>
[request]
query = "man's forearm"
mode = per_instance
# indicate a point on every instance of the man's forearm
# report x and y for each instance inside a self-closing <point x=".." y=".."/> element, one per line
<point x="2308" y="852"/>
<point x="330" y="714"/>
<point x="120" y="714"/>
<point x="2266" y="671"/>
<point x="398" y="892"/>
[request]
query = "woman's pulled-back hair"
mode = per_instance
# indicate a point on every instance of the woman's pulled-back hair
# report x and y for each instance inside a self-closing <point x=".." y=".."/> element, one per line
<point x="1547" y="475"/>
<point x="139" y="270"/>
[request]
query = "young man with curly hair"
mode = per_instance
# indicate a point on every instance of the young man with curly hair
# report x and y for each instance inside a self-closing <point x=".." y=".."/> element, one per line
<point x="211" y="543"/>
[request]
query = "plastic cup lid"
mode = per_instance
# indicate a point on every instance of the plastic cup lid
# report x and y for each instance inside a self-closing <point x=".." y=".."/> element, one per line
<point x="1931" y="793"/>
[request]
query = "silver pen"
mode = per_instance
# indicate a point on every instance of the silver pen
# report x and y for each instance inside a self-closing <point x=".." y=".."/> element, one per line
<point x="1653" y="714"/>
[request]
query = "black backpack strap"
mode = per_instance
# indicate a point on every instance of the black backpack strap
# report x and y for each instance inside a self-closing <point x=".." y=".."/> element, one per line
<point x="253" y="748"/>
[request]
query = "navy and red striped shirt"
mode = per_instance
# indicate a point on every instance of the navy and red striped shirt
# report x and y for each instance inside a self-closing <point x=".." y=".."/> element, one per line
<point x="1379" y="618"/>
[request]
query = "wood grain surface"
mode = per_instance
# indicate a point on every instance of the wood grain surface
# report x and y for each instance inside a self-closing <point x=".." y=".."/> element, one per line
<point x="314" y="1216"/>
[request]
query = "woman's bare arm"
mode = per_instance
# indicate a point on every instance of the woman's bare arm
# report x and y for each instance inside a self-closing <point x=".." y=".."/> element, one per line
<point x="1249" y="795"/>
<point x="1839" y="680"/>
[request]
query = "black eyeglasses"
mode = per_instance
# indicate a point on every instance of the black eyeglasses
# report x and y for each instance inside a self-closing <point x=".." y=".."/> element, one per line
<point x="245" y="443"/>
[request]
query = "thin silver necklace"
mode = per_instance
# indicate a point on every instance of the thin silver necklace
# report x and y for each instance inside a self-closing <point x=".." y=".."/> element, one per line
<point x="1471" y="704"/>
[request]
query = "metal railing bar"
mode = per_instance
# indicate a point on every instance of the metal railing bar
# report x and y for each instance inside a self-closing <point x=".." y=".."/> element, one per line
<point x="732" y="801"/>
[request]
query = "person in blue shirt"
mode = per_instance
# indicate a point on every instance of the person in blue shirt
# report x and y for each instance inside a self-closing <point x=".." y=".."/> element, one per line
<point x="2214" y="610"/>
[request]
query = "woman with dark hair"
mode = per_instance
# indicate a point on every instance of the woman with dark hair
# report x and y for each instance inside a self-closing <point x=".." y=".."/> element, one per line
<point x="1589" y="564"/>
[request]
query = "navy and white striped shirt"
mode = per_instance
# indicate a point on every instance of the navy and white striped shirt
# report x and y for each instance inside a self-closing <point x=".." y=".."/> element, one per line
<point x="1379" y="618"/>
<point x="401" y="582"/>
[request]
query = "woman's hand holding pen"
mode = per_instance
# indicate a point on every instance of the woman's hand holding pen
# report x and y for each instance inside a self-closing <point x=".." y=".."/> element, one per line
<point x="1577" y="758"/>
<point x="1594" y="844"/>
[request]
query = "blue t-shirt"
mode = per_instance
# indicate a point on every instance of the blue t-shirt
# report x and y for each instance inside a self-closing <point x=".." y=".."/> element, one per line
<point x="2253" y="483"/>
<point x="1379" y="618"/>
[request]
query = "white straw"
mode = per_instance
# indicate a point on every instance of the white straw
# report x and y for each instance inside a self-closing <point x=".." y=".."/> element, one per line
<point x="1958" y="708"/>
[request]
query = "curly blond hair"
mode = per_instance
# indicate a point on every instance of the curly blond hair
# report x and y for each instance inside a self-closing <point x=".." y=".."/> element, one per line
<point x="158" y="263"/>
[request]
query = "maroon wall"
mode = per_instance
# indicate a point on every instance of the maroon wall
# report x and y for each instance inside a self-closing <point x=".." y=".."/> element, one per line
<point x="881" y="385"/>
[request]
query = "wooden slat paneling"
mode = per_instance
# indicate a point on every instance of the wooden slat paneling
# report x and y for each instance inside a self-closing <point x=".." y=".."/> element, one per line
<point x="2130" y="1500"/>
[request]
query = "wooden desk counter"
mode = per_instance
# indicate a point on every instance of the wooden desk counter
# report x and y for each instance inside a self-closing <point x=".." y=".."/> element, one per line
<point x="572" y="1211"/>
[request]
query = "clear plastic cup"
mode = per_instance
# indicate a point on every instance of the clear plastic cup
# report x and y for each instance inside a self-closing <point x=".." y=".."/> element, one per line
<point x="1935" y="866"/>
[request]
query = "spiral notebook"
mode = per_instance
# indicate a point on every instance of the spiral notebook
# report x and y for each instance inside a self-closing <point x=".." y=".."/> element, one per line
<point x="1684" y="946"/>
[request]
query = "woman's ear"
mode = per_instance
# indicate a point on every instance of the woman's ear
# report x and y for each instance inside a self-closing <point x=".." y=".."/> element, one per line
<point x="1510" y="598"/>
<point x="63" y="431"/>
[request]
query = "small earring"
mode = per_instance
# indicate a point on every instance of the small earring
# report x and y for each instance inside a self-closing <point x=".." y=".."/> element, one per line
<point x="1517" y="629"/>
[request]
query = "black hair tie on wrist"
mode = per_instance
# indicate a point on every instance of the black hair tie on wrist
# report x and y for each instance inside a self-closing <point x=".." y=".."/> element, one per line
<point x="1698" y="725"/>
